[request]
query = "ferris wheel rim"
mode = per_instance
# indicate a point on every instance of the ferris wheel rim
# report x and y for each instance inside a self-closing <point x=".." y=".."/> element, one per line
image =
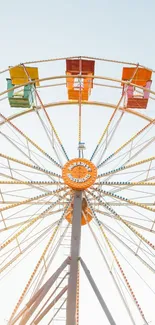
<point x="92" y="103"/>
<point x="69" y="102"/>
<point x="80" y="57"/>
<point x="40" y="80"/>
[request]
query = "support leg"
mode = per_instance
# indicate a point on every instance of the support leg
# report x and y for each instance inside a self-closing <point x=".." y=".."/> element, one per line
<point x="98" y="294"/>
<point x="34" y="302"/>
<point x="48" y="308"/>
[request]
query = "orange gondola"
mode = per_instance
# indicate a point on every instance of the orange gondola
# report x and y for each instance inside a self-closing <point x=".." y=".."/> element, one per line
<point x="141" y="77"/>
<point x="79" y="88"/>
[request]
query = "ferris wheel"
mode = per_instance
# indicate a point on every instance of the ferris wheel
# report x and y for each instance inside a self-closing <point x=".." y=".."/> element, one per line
<point x="77" y="192"/>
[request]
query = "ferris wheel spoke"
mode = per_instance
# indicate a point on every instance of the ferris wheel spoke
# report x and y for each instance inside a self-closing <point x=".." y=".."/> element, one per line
<point x="80" y="106"/>
<point x="107" y="127"/>
<point x="117" y="170"/>
<point x="49" y="259"/>
<point x="12" y="201"/>
<point x="112" y="275"/>
<point x="26" y="239"/>
<point x="130" y="186"/>
<point x="12" y="196"/>
<point x="123" y="287"/>
<point x="49" y="136"/>
<point x="18" y="182"/>
<point x="37" y="216"/>
<point x="35" y="167"/>
<point x="32" y="203"/>
<point x="109" y="137"/>
<point x="134" y="151"/>
<point x="123" y="256"/>
<point x="27" y="201"/>
<point x="34" y="243"/>
<point x="118" y="263"/>
<point x="51" y="256"/>
<point x="4" y="201"/>
<point x="16" y="235"/>
<point x="113" y="115"/>
<point x="132" y="176"/>
<point x="134" y="253"/>
<point x="127" y="156"/>
<point x="136" y="216"/>
<point x="23" y="255"/>
<point x="108" y="193"/>
<point x="23" y="153"/>
<point x="143" y="217"/>
<point x="150" y="141"/>
<point x="150" y="230"/>
<point x="127" y="236"/>
<point x="107" y="206"/>
<point x="126" y="143"/>
<point x="14" y="215"/>
<point x="116" y="203"/>
<point x="130" y="224"/>
<point x="22" y="175"/>
<point x="32" y="199"/>
<point x="27" y="221"/>
<point x="30" y="140"/>
<point x="39" y="262"/>
<point x="8" y="176"/>
<point x="140" y="183"/>
<point x="138" y="195"/>
<point x="46" y="114"/>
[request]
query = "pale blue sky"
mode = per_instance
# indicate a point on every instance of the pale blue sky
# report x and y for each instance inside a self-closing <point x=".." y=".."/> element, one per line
<point x="113" y="29"/>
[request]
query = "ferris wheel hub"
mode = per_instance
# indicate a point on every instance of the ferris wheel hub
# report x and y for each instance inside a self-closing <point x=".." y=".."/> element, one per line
<point x="79" y="173"/>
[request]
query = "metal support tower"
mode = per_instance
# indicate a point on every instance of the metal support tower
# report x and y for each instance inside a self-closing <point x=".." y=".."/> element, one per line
<point x="98" y="294"/>
<point x="48" y="308"/>
<point x="75" y="250"/>
<point x="38" y="297"/>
